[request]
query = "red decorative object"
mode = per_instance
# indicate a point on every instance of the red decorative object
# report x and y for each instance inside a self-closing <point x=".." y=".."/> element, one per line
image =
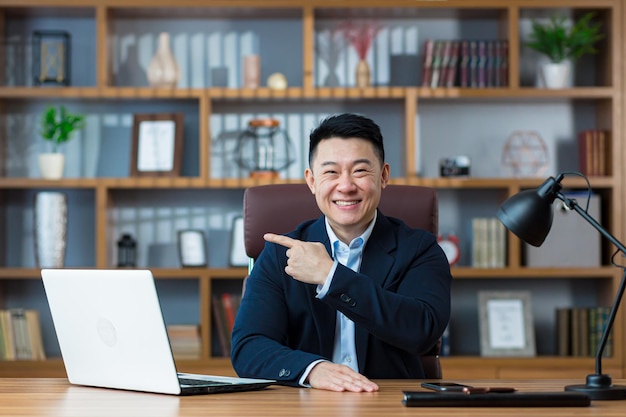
<point x="450" y="246"/>
<point x="360" y="34"/>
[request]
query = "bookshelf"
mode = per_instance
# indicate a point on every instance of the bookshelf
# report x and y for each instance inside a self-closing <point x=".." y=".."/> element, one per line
<point x="114" y="40"/>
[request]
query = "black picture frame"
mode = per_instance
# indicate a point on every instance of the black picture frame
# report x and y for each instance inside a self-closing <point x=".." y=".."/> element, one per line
<point x="51" y="57"/>
<point x="192" y="248"/>
<point x="157" y="144"/>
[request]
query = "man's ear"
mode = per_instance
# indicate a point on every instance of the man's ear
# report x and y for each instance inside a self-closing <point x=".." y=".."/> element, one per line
<point x="386" y="171"/>
<point x="310" y="179"/>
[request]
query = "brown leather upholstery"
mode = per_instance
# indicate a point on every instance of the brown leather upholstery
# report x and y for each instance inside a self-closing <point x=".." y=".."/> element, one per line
<point x="279" y="208"/>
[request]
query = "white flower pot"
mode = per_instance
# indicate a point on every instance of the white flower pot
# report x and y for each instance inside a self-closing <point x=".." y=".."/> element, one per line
<point x="556" y="75"/>
<point x="51" y="165"/>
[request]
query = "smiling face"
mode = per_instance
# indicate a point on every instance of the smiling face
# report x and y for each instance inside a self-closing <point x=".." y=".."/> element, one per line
<point x="347" y="177"/>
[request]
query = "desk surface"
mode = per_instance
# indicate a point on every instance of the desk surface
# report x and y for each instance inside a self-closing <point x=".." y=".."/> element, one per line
<point x="56" y="397"/>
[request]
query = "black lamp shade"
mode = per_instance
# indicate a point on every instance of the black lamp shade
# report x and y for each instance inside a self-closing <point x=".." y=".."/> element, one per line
<point x="528" y="215"/>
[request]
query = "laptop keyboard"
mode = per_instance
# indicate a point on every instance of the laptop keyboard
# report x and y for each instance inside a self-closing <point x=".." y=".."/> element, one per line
<point x="201" y="382"/>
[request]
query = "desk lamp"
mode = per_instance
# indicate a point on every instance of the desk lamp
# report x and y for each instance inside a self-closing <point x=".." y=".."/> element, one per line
<point x="528" y="215"/>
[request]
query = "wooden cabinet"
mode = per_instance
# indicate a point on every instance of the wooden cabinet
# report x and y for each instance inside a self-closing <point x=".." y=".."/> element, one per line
<point x="112" y="44"/>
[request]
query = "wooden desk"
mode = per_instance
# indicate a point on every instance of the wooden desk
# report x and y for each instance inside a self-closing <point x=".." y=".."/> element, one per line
<point x="56" y="397"/>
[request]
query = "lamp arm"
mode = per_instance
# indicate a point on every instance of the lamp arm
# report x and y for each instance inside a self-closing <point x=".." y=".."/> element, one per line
<point x="573" y="205"/>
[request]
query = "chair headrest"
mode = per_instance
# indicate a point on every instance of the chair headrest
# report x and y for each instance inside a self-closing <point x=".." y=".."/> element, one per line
<point x="279" y="208"/>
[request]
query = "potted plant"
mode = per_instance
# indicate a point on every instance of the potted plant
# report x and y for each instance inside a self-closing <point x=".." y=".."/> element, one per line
<point x="56" y="126"/>
<point x="563" y="43"/>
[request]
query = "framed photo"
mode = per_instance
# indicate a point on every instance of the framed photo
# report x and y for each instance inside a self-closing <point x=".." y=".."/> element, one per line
<point x="238" y="256"/>
<point x="157" y="144"/>
<point x="51" y="57"/>
<point x="506" y="323"/>
<point x="192" y="248"/>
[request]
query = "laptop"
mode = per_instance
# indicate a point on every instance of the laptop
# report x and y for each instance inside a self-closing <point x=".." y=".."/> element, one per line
<point x="112" y="334"/>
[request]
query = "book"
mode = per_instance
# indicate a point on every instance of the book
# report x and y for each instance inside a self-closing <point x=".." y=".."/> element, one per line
<point x="602" y="152"/>
<point x="445" y="63"/>
<point x="490" y="65"/>
<point x="585" y="153"/>
<point x="8" y="335"/>
<point x="583" y="333"/>
<point x="580" y="329"/>
<point x="229" y="310"/>
<point x="429" y="46"/>
<point x="437" y="63"/>
<point x="21" y="334"/>
<point x="451" y="71"/>
<point x="464" y="64"/>
<point x="34" y="332"/>
<point x="592" y="152"/>
<point x="481" y="63"/>
<point x="221" y="327"/>
<point x="563" y="331"/>
<point x="473" y="64"/>
<point x="503" y="53"/>
<point x="185" y="340"/>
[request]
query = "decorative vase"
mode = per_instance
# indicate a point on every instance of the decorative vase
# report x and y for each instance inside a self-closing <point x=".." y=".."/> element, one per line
<point x="50" y="225"/>
<point x="163" y="70"/>
<point x="363" y="74"/>
<point x="251" y="71"/>
<point x="51" y="165"/>
<point x="556" y="75"/>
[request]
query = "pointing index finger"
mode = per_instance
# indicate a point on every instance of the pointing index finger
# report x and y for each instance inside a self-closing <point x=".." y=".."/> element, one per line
<point x="280" y="240"/>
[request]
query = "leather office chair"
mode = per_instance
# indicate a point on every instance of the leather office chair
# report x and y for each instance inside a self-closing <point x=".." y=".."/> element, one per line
<point x="279" y="208"/>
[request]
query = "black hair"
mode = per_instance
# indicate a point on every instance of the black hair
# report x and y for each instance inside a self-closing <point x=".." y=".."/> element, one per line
<point x="346" y="126"/>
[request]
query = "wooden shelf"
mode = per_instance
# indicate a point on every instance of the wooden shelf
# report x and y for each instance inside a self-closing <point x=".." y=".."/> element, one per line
<point x="320" y="93"/>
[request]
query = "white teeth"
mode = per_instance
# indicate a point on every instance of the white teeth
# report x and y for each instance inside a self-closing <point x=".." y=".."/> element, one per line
<point x="346" y="203"/>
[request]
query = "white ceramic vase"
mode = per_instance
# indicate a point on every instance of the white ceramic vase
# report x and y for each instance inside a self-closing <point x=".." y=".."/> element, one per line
<point x="50" y="225"/>
<point x="163" y="70"/>
<point x="556" y="75"/>
<point x="51" y="165"/>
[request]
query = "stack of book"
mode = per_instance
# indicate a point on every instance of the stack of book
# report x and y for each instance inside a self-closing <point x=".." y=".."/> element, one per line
<point x="185" y="340"/>
<point x="488" y="243"/>
<point x="225" y="307"/>
<point x="593" y="156"/>
<point x="579" y="330"/>
<point x="20" y="335"/>
<point x="465" y="63"/>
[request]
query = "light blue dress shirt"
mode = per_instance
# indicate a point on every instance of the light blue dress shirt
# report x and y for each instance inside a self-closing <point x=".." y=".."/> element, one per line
<point x="344" y="348"/>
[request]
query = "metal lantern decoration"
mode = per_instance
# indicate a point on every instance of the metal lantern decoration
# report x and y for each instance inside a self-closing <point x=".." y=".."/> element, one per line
<point x="126" y="251"/>
<point x="263" y="148"/>
<point x="51" y="57"/>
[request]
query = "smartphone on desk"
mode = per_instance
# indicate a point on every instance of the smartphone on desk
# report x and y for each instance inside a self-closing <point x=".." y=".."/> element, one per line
<point x="467" y="389"/>
<point x="446" y="386"/>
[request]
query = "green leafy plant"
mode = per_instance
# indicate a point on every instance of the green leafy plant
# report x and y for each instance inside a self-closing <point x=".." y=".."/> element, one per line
<point x="57" y="125"/>
<point x="560" y="41"/>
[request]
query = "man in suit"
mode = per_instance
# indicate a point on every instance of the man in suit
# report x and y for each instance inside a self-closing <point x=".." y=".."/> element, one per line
<point x="348" y="297"/>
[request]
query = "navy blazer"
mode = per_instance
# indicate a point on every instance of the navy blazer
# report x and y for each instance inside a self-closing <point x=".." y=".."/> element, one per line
<point x="399" y="302"/>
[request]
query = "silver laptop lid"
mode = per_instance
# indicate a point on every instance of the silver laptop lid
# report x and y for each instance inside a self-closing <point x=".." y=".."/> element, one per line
<point x="110" y="329"/>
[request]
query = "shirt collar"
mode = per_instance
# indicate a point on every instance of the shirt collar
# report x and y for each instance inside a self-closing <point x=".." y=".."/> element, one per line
<point x="365" y="236"/>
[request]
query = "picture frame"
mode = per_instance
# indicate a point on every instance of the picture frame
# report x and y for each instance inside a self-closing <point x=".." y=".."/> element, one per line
<point x="51" y="57"/>
<point x="157" y="144"/>
<point x="192" y="248"/>
<point x="238" y="256"/>
<point x="506" y="323"/>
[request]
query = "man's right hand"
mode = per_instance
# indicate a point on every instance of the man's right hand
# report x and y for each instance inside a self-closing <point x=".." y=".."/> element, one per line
<point x="333" y="377"/>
